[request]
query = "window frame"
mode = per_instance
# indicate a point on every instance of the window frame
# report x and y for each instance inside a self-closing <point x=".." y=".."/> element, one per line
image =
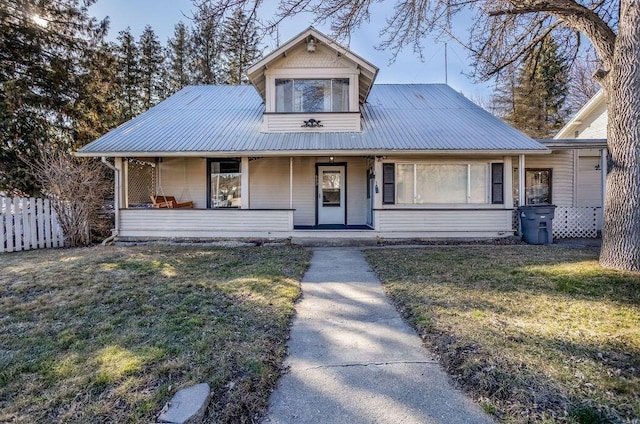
<point x="347" y="104"/>
<point x="210" y="161"/>
<point x="487" y="185"/>
<point x="550" y="185"/>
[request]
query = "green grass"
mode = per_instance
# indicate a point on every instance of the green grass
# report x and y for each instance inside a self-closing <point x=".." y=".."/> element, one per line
<point x="109" y="334"/>
<point x="536" y="334"/>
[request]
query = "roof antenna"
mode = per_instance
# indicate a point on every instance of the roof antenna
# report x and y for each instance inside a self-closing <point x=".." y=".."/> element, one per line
<point x="446" y="72"/>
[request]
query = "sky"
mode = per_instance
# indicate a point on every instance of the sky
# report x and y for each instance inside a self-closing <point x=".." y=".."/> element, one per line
<point x="162" y="15"/>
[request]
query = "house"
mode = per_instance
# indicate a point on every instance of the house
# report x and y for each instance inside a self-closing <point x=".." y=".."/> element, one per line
<point x="313" y="148"/>
<point x="581" y="149"/>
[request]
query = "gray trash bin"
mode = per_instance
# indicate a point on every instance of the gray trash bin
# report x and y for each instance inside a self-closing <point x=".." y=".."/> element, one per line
<point x="536" y="222"/>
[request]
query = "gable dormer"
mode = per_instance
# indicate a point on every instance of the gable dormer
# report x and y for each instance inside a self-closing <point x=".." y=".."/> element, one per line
<point x="312" y="84"/>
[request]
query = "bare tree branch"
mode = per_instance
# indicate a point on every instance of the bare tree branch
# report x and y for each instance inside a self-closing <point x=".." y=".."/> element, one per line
<point x="502" y="34"/>
<point x="77" y="189"/>
<point x="574" y="15"/>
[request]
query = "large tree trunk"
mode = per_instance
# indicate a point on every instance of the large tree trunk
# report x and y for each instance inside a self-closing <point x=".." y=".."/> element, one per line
<point x="621" y="235"/>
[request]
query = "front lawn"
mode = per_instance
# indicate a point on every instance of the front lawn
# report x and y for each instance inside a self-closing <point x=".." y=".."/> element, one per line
<point x="535" y="333"/>
<point x="109" y="334"/>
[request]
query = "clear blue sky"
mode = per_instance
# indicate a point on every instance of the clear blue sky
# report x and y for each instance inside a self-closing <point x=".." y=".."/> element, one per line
<point x="162" y="15"/>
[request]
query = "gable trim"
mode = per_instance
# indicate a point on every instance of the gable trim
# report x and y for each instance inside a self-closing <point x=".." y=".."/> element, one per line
<point x="368" y="71"/>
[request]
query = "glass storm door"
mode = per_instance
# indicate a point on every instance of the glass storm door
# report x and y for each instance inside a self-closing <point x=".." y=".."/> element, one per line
<point x="331" y="195"/>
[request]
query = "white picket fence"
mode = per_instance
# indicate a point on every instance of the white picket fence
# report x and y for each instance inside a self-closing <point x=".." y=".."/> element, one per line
<point x="27" y="224"/>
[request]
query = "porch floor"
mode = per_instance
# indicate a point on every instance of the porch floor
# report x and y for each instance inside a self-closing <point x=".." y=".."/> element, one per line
<point x="332" y="227"/>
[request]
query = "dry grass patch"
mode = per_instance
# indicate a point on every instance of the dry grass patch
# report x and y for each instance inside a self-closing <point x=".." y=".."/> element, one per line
<point x="109" y="334"/>
<point x="537" y="334"/>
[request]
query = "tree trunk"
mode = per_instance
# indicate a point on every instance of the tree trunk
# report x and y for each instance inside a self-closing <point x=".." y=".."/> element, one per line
<point x="621" y="234"/>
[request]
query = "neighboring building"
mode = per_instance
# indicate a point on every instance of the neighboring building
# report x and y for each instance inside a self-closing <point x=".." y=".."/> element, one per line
<point x="315" y="149"/>
<point x="583" y="142"/>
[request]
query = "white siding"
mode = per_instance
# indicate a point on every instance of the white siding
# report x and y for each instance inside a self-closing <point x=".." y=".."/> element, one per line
<point x="589" y="181"/>
<point x="356" y="192"/>
<point x="269" y="183"/>
<point x="292" y="122"/>
<point x="562" y="165"/>
<point x="594" y="125"/>
<point x="323" y="63"/>
<point x="184" y="178"/>
<point x="323" y="57"/>
<point x="304" y="191"/>
<point x="202" y="223"/>
<point x="446" y="223"/>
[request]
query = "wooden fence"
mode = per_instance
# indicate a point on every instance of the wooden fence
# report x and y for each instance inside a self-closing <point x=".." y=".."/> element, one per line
<point x="27" y="224"/>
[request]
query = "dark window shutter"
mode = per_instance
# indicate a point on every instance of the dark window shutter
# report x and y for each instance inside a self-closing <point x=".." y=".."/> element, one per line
<point x="497" y="183"/>
<point x="388" y="183"/>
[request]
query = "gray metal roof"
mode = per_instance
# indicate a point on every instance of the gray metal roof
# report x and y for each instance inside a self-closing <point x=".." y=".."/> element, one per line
<point x="210" y="120"/>
<point x="573" y="143"/>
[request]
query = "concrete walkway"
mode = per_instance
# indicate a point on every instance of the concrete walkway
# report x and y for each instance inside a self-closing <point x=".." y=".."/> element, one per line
<point x="353" y="359"/>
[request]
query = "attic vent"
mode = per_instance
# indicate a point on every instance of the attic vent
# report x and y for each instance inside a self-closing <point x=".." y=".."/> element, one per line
<point x="311" y="123"/>
<point x="311" y="45"/>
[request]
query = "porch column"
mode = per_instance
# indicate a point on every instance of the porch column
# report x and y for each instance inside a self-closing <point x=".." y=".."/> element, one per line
<point x="120" y="197"/>
<point x="377" y="193"/>
<point x="244" y="183"/>
<point x="508" y="182"/>
<point x="124" y="171"/>
<point x="521" y="174"/>
<point x="603" y="175"/>
<point x="291" y="182"/>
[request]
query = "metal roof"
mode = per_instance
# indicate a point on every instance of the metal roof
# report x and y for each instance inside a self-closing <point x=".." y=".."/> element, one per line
<point x="573" y="143"/>
<point x="225" y="120"/>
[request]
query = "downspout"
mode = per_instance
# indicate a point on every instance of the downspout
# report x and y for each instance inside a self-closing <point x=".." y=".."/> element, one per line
<point x="116" y="202"/>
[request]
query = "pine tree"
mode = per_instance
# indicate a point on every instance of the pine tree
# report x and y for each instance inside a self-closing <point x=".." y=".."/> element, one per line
<point x="40" y="81"/>
<point x="178" y="54"/>
<point x="504" y="93"/>
<point x="95" y="111"/>
<point x="538" y="94"/>
<point x="128" y="76"/>
<point x="151" y="68"/>
<point x="241" y="46"/>
<point x="207" y="48"/>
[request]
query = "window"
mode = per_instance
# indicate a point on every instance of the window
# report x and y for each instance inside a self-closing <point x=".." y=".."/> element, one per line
<point x="497" y="183"/>
<point x="331" y="188"/>
<point x="312" y="95"/>
<point x="421" y="183"/>
<point x="537" y="186"/>
<point x="225" y="182"/>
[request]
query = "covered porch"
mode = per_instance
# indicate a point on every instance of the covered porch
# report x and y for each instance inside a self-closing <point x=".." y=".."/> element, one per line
<point x="243" y="196"/>
<point x="299" y="196"/>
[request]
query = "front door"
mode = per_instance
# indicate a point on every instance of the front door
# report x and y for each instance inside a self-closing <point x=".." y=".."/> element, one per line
<point x="331" y="195"/>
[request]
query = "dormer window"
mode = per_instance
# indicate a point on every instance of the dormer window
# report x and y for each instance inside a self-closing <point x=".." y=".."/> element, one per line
<point x="312" y="95"/>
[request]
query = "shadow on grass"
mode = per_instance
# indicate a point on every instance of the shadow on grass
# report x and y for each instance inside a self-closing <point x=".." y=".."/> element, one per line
<point x="93" y="335"/>
<point x="534" y="329"/>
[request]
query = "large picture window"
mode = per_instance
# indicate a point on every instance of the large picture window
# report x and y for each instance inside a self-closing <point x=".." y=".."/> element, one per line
<point x="225" y="182"/>
<point x="419" y="183"/>
<point x="312" y="95"/>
